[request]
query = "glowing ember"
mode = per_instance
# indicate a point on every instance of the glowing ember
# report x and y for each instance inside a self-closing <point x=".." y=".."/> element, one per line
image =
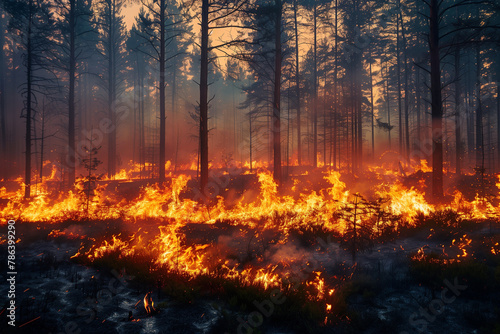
<point x="149" y="304"/>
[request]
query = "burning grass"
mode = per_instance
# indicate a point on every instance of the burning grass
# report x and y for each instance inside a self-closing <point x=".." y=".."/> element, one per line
<point x="307" y="241"/>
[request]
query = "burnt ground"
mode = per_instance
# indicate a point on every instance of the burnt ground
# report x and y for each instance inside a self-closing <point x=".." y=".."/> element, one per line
<point x="387" y="292"/>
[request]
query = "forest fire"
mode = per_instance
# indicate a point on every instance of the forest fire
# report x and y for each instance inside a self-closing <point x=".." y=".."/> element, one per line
<point x="246" y="166"/>
<point x="163" y="218"/>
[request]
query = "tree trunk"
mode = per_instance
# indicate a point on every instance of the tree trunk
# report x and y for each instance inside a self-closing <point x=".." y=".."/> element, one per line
<point x="3" y="127"/>
<point x="42" y="142"/>
<point x="324" y="125"/>
<point x="479" y="112"/>
<point x="335" y="89"/>
<point x="297" y="82"/>
<point x="437" y="107"/>
<point x="419" y="121"/>
<point x="71" y="96"/>
<point x="250" y="125"/>
<point x="277" y="95"/>
<point x="111" y="91"/>
<point x="498" y="114"/>
<point x="27" y="170"/>
<point x="407" y="97"/>
<point x="372" y="109"/>
<point x="174" y="115"/>
<point x="204" y="98"/>
<point x="398" y="66"/>
<point x="162" y="93"/>
<point x="388" y="105"/>
<point x="315" y="88"/>
<point x="458" y="106"/>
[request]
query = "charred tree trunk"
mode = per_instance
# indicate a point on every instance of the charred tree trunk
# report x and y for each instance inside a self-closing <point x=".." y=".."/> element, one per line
<point x="388" y="97"/>
<point x="479" y="113"/>
<point x="251" y="148"/>
<point x="277" y="95"/>
<point x="498" y="114"/>
<point x="436" y="102"/>
<point x="398" y="66"/>
<point x="3" y="127"/>
<point x="297" y="82"/>
<point x="174" y="115"/>
<point x="71" y="96"/>
<point x="315" y="88"/>
<point x="419" y="121"/>
<point x="458" y="106"/>
<point x="335" y="90"/>
<point x="111" y="91"/>
<point x="204" y="98"/>
<point x="372" y="109"/>
<point x="162" y="93"/>
<point x="29" y="65"/>
<point x="407" y="97"/>
<point x="42" y="142"/>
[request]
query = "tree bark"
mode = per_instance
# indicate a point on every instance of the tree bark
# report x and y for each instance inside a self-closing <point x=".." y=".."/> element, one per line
<point x="388" y="105"/>
<point x="297" y="82"/>
<point x="498" y="114"/>
<point x="479" y="112"/>
<point x="436" y="102"/>
<point x="277" y="95"/>
<point x="407" y="97"/>
<point x="111" y="90"/>
<point x="315" y="88"/>
<point x="3" y="127"/>
<point x="398" y="65"/>
<point x="29" y="60"/>
<point x="458" y="106"/>
<point x="71" y="95"/>
<point x="162" y="93"/>
<point x="204" y="98"/>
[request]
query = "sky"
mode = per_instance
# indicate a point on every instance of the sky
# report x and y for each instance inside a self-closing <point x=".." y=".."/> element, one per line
<point x="130" y="13"/>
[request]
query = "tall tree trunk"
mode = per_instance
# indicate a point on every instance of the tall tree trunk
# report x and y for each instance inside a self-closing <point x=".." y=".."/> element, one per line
<point x="315" y="88"/>
<point x="498" y="112"/>
<point x="335" y="88"/>
<point x="3" y="127"/>
<point x="111" y="91"/>
<point x="437" y="107"/>
<point x="250" y="149"/>
<point x="419" y="121"/>
<point x="479" y="112"/>
<point x="372" y="109"/>
<point x="359" y="97"/>
<point x="71" y="96"/>
<point x="162" y="93"/>
<point x="388" y="104"/>
<point x="42" y="142"/>
<point x="458" y="106"/>
<point x="407" y="97"/>
<point x="277" y="95"/>
<point x="398" y="66"/>
<point x="174" y="115"/>
<point x="29" y="60"/>
<point x="204" y="98"/>
<point x="324" y="124"/>
<point x="297" y="82"/>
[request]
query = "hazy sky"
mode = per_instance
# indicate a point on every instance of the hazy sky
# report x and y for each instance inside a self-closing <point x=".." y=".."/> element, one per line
<point x="130" y="13"/>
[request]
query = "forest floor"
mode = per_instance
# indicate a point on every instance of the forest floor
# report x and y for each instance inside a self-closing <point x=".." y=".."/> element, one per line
<point x="388" y="291"/>
<point x="440" y="275"/>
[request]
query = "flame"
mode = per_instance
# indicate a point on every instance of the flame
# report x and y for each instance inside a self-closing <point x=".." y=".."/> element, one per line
<point x="149" y="304"/>
<point x="461" y="244"/>
<point x="168" y="213"/>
